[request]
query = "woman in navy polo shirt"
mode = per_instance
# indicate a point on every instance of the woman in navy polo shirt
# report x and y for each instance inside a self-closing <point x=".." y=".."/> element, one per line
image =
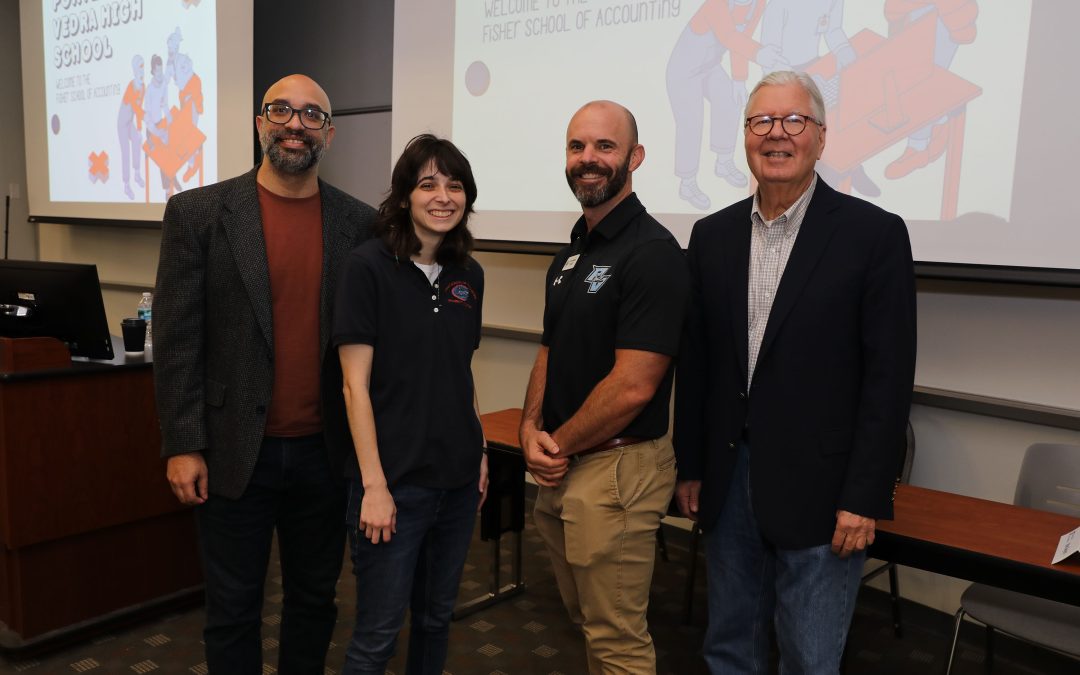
<point x="407" y="322"/>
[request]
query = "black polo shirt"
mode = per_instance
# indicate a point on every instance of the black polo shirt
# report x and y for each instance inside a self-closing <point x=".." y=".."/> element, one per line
<point x="627" y="288"/>
<point x="421" y="386"/>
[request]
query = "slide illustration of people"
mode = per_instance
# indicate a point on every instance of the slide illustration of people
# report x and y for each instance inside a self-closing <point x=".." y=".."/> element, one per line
<point x="695" y="74"/>
<point x="955" y="27"/>
<point x="172" y="45"/>
<point x="796" y="28"/>
<point x="158" y="119"/>
<point x="129" y="122"/>
<point x="173" y="138"/>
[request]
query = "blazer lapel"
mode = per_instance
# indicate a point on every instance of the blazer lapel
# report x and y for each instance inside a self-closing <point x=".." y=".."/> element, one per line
<point x="814" y="235"/>
<point x="337" y="242"/>
<point x="243" y="226"/>
<point x="738" y="265"/>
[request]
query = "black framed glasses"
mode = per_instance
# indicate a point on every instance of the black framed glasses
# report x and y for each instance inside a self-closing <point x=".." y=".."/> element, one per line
<point x="310" y="118"/>
<point x="793" y="124"/>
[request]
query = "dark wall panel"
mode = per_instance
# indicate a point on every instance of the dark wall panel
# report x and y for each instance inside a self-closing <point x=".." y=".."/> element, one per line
<point x="358" y="160"/>
<point x="346" y="45"/>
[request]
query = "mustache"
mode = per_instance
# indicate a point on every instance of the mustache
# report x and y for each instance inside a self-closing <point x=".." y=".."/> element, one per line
<point x="591" y="167"/>
<point x="279" y="134"/>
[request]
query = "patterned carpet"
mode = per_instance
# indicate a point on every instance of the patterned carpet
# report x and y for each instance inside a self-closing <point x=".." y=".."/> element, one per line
<point x="529" y="634"/>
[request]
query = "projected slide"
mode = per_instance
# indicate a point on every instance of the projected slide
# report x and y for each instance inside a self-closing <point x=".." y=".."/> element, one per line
<point x="129" y="98"/>
<point x="923" y="98"/>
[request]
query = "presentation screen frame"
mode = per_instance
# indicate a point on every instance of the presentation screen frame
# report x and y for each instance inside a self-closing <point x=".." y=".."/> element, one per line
<point x="234" y="19"/>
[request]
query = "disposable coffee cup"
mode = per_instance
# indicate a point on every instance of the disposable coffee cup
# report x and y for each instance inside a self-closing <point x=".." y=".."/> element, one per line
<point x="134" y="331"/>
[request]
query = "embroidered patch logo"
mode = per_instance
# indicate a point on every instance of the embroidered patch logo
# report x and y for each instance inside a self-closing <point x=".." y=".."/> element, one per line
<point x="598" y="277"/>
<point x="461" y="293"/>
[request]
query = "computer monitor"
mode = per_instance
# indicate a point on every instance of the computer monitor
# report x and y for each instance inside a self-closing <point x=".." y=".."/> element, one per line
<point x="51" y="299"/>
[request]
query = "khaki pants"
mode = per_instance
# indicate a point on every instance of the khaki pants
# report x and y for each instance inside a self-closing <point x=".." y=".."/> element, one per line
<point x="599" y="526"/>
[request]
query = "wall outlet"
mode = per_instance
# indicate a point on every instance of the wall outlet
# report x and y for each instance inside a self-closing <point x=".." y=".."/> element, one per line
<point x="14" y="190"/>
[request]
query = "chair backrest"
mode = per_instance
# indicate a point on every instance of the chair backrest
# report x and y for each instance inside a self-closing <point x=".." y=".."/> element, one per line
<point x="1050" y="479"/>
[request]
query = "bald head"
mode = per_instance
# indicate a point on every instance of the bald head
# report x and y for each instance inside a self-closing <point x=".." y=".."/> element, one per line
<point x="294" y="146"/>
<point x="299" y="91"/>
<point x="602" y="151"/>
<point x="622" y="119"/>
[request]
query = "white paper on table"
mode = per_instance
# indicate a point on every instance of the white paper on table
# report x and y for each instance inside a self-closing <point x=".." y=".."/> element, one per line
<point x="1067" y="545"/>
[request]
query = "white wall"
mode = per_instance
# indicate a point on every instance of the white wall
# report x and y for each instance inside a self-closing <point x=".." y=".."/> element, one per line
<point x="513" y="298"/>
<point x="1011" y="342"/>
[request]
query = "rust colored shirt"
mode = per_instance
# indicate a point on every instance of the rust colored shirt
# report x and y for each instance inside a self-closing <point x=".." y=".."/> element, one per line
<point x="292" y="229"/>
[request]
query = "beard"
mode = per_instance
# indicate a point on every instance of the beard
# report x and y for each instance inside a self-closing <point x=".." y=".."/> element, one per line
<point x="291" y="161"/>
<point x="590" y="196"/>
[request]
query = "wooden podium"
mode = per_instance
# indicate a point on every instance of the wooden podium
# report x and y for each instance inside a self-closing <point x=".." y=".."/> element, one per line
<point x="89" y="529"/>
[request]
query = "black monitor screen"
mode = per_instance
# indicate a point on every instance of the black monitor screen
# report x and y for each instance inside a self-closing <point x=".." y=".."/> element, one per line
<point x="60" y="300"/>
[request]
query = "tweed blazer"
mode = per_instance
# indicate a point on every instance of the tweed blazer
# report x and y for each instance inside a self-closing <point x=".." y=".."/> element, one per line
<point x="213" y="329"/>
<point x="826" y="412"/>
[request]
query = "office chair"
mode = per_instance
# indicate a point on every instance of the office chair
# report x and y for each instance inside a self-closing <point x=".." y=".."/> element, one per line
<point x="902" y="476"/>
<point x="1049" y="480"/>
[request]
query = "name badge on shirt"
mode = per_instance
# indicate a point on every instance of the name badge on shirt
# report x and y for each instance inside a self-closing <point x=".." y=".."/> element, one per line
<point x="570" y="262"/>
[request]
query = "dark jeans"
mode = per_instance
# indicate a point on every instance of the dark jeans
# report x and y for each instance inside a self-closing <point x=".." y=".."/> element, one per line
<point x="807" y="594"/>
<point x="420" y="568"/>
<point x="292" y="490"/>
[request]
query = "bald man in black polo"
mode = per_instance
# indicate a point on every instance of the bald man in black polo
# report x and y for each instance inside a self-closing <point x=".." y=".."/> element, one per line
<point x="596" y="411"/>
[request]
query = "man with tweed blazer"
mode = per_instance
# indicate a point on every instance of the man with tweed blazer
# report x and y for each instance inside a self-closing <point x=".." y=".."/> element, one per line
<point x="252" y="419"/>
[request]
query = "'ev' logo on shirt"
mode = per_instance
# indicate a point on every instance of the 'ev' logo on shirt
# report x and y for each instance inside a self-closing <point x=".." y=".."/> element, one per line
<point x="597" y="277"/>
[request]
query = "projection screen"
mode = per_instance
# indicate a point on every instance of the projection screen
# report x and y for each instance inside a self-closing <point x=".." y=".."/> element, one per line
<point x="127" y="102"/>
<point x="954" y="115"/>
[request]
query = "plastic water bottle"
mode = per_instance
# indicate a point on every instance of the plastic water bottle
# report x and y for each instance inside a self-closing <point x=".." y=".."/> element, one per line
<point x="145" y="305"/>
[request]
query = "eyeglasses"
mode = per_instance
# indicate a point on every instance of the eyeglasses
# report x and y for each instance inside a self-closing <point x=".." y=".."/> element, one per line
<point x="793" y="124"/>
<point x="311" y="118"/>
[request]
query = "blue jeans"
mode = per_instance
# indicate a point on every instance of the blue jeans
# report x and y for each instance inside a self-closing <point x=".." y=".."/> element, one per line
<point x="419" y="568"/>
<point x="292" y="490"/>
<point x="808" y="593"/>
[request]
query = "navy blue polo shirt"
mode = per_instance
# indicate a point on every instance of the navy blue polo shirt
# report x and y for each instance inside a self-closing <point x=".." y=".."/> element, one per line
<point x="625" y="285"/>
<point x="424" y="336"/>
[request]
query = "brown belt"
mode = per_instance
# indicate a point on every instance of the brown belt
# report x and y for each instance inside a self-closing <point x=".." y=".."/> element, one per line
<point x="611" y="444"/>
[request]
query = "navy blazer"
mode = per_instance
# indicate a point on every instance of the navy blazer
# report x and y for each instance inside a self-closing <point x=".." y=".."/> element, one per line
<point x="825" y="416"/>
<point x="213" y="329"/>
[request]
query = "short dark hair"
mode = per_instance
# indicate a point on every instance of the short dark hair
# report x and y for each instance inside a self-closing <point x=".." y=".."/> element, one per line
<point x="395" y="226"/>
<point x="155" y="61"/>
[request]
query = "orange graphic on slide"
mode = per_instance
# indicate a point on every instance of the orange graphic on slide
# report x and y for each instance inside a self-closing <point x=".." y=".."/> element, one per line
<point x="99" y="166"/>
<point x="173" y="137"/>
<point x="191" y="105"/>
<point x="184" y="140"/>
<point x="955" y="27"/>
<point x="134" y="98"/>
<point x="892" y="90"/>
<point x="191" y="95"/>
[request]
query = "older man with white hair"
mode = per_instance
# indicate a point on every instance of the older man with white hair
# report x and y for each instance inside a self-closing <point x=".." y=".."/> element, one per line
<point x="793" y="392"/>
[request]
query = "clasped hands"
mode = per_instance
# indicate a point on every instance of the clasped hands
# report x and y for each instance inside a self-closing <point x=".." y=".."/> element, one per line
<point x="542" y="457"/>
